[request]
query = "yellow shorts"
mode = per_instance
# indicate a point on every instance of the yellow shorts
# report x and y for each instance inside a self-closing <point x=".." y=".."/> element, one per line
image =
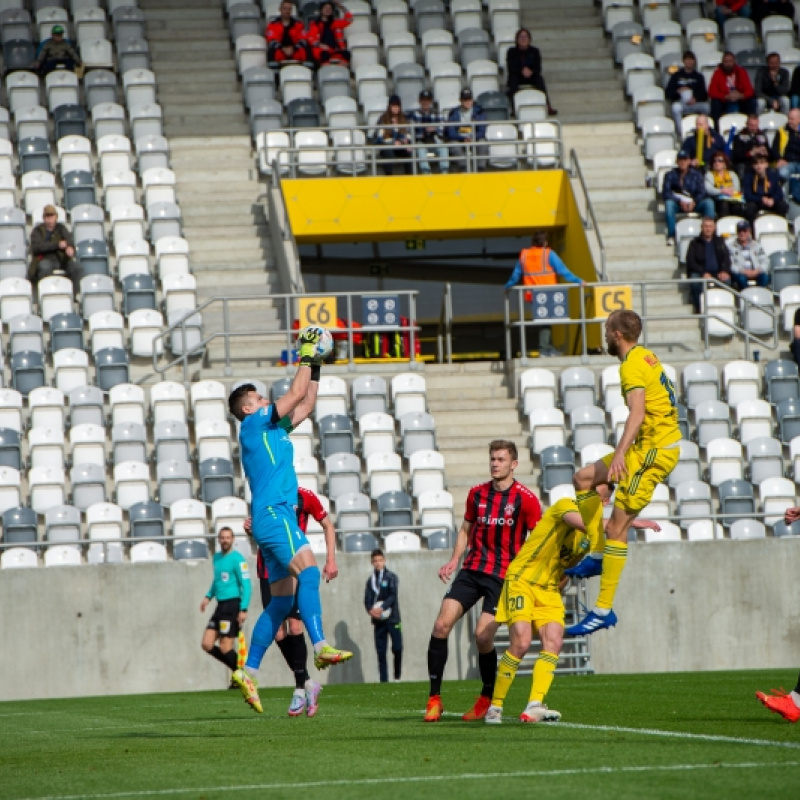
<point x="646" y="469"/>
<point x="522" y="602"/>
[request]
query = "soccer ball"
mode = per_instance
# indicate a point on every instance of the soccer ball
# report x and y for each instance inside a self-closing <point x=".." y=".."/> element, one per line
<point x="324" y="345"/>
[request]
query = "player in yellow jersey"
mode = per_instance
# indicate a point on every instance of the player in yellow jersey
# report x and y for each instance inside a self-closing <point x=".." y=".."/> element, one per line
<point x="644" y="457"/>
<point x="531" y="600"/>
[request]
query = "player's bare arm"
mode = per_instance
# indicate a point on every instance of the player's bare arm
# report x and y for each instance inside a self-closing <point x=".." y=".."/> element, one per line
<point x="636" y="407"/>
<point x="330" y="570"/>
<point x="306" y="406"/>
<point x="792" y="515"/>
<point x="645" y="524"/>
<point x="446" y="572"/>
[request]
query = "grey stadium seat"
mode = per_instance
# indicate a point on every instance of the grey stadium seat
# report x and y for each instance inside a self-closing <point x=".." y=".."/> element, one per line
<point x="88" y="485"/>
<point x="20" y="526"/>
<point x="764" y="459"/>
<point x="100" y="86"/>
<point x="781" y="380"/>
<point x="693" y="501"/>
<point x="189" y="550"/>
<point x="62" y="524"/>
<point x="164" y="219"/>
<point x="78" y="189"/>
<point x="495" y="106"/>
<point x="174" y="481"/>
<point x="27" y="371"/>
<point x="336" y="435"/>
<point x="577" y="388"/>
<point x="418" y="432"/>
<point x="259" y="85"/>
<point x="97" y="294"/>
<point x="138" y="291"/>
<point x="369" y="394"/>
<point x="395" y="510"/>
<point x="70" y="120"/>
<point x="34" y="154"/>
<point x="216" y="479"/>
<point x="66" y="330"/>
<point x="788" y="412"/>
<point x="111" y="364"/>
<point x="558" y="466"/>
<point x="780" y="528"/>
<point x="128" y="443"/>
<point x="736" y="497"/>
<point x="266" y="115"/>
<point x="588" y="424"/>
<point x="279" y="388"/>
<point x="86" y="406"/>
<point x="359" y="543"/>
<point x="442" y="540"/>
<point x="26" y="332"/>
<point x="147" y="520"/>
<point x="343" y="472"/>
<point x="10" y="449"/>
<point x="133" y="54"/>
<point x="171" y="438"/>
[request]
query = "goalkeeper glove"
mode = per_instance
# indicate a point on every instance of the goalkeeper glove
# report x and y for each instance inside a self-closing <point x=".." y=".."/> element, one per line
<point x="307" y="342"/>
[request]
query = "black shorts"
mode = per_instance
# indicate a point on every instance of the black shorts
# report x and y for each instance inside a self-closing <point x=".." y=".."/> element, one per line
<point x="470" y="585"/>
<point x="225" y="620"/>
<point x="266" y="596"/>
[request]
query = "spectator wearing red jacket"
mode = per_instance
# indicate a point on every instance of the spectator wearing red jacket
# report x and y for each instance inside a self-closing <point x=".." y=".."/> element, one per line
<point x="326" y="34"/>
<point x="730" y="90"/>
<point x="726" y="9"/>
<point x="286" y="37"/>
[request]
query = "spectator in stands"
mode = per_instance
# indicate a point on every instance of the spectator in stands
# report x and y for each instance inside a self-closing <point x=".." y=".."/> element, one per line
<point x="684" y="192"/>
<point x="428" y="131"/>
<point x="795" y="345"/>
<point x="326" y="34"/>
<point x="56" y="53"/>
<point x="52" y="249"/>
<point x="286" y="37"/>
<point x="773" y="86"/>
<point x="538" y="265"/>
<point x="524" y="67"/>
<point x="702" y="142"/>
<point x="794" y="91"/>
<point x="381" y="602"/>
<point x="786" y="153"/>
<point x="722" y="185"/>
<point x="394" y="132"/>
<point x="730" y="8"/>
<point x="686" y="90"/>
<point x="751" y="141"/>
<point x="762" y="191"/>
<point x="771" y="8"/>
<point x="707" y="257"/>
<point x="730" y="89"/>
<point x="749" y="262"/>
<point x="462" y="128"/>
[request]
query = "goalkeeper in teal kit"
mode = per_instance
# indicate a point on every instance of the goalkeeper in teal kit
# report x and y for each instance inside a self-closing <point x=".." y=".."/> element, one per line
<point x="267" y="458"/>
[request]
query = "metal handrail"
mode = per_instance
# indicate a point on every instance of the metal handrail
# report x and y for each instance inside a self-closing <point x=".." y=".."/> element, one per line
<point x="583" y="321"/>
<point x="286" y="332"/>
<point x="444" y="335"/>
<point x="590" y="223"/>
<point x="368" y="156"/>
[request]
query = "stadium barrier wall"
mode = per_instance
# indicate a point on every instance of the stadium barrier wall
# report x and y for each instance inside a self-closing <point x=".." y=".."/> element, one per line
<point x="135" y="628"/>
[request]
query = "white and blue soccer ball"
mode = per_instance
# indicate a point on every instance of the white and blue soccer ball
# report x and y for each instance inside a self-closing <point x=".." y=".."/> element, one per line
<point x="324" y="345"/>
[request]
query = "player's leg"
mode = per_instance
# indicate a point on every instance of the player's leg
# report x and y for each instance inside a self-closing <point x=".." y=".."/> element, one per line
<point x="304" y="566"/>
<point x="222" y="652"/>
<point x="299" y="654"/>
<point x="520" y="633"/>
<point x="450" y="612"/>
<point x="396" y="632"/>
<point x="227" y="648"/>
<point x="590" y="504"/>
<point x="380" y="633"/>
<point x="549" y="620"/>
<point x="487" y="659"/>
<point x="787" y="704"/>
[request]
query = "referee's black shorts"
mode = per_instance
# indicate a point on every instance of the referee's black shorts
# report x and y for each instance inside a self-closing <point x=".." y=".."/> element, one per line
<point x="266" y="596"/>
<point x="225" y="619"/>
<point x="471" y="585"/>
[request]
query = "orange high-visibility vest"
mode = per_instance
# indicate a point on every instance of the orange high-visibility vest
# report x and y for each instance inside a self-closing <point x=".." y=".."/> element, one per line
<point x="536" y="269"/>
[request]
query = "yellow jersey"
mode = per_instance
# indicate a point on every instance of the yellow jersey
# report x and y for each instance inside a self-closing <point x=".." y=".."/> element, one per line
<point x="641" y="369"/>
<point x="552" y="546"/>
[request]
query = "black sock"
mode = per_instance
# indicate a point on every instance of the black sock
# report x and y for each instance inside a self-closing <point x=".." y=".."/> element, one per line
<point x="437" y="658"/>
<point x="295" y="652"/>
<point x="797" y="688"/>
<point x="398" y="663"/>
<point x="487" y="666"/>
<point x="223" y="658"/>
<point x="232" y="659"/>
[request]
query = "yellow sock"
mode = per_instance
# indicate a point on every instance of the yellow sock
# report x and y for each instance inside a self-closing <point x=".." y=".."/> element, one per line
<point x="614" y="556"/>
<point x="506" y="671"/>
<point x="591" y="507"/>
<point x="542" y="675"/>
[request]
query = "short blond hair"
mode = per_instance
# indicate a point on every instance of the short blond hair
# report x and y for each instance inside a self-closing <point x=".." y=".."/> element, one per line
<point x="504" y="444"/>
<point x="626" y="322"/>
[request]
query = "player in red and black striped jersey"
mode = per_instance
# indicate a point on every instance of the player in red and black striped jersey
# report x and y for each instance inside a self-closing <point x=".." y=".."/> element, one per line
<point x="498" y="517"/>
<point x="290" y="638"/>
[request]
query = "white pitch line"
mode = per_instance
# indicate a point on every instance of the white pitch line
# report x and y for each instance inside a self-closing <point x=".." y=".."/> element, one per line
<point x="551" y="773"/>
<point x="706" y="737"/>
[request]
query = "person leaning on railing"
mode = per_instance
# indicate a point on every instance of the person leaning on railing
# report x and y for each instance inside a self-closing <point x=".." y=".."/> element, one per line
<point x="394" y="132"/>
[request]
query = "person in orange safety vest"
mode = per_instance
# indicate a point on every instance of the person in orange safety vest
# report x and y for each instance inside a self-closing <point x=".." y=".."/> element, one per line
<point x="538" y="265"/>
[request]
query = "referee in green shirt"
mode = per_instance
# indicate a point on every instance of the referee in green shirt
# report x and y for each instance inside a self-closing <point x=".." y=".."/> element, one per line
<point x="231" y="587"/>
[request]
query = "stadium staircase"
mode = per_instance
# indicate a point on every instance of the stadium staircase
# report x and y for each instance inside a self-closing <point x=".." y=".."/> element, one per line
<point x="218" y="187"/>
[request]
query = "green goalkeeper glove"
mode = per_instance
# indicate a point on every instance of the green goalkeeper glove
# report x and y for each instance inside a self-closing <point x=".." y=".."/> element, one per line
<point x="307" y="342"/>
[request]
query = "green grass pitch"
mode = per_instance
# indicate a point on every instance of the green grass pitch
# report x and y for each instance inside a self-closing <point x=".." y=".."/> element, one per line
<point x="701" y="735"/>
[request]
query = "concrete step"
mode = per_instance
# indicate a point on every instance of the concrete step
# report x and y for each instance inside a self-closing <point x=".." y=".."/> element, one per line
<point x="439" y="404"/>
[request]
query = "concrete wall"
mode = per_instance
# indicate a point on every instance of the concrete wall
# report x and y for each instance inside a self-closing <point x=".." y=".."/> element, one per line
<point x="116" y="629"/>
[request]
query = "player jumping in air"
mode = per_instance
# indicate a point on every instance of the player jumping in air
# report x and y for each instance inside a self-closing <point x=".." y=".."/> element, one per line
<point x="267" y="458"/>
<point x="646" y="454"/>
<point x="497" y="519"/>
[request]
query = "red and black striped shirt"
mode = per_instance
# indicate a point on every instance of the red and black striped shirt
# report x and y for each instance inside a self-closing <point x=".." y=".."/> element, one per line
<point x="308" y="504"/>
<point x="500" y="521"/>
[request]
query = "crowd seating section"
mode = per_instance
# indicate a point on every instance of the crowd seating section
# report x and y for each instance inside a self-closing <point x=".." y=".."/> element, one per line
<point x="95" y="149"/>
<point x="740" y="454"/>
<point x="396" y="48"/>
<point x="93" y="457"/>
